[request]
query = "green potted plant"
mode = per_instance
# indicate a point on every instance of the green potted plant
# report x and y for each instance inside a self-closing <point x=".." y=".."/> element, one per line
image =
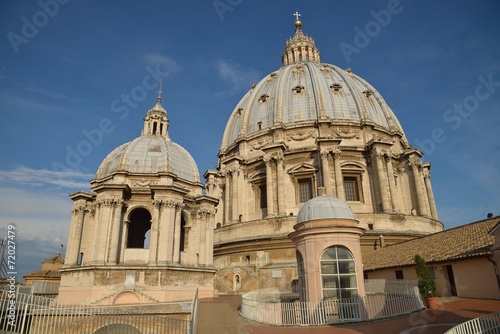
<point x="426" y="284"/>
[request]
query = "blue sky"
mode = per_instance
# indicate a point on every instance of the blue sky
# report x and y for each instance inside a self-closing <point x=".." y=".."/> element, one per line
<point x="77" y="78"/>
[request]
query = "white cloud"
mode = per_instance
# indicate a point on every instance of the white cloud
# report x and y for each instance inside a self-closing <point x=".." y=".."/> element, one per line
<point x="41" y="219"/>
<point x="237" y="76"/>
<point x="167" y="63"/>
<point x="38" y="177"/>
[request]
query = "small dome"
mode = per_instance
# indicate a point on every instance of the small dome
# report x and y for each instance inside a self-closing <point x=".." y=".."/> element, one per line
<point x="324" y="207"/>
<point x="149" y="155"/>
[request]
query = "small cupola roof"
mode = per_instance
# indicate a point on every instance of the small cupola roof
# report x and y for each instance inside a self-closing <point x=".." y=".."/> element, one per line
<point x="156" y="121"/>
<point x="324" y="207"/>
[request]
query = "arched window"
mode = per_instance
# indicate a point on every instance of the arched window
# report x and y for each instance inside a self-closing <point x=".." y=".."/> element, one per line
<point x="154" y="127"/>
<point x="139" y="225"/>
<point x="338" y="274"/>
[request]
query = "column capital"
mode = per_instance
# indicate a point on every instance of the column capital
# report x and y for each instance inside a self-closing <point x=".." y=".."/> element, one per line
<point x="268" y="159"/>
<point x="336" y="151"/>
<point x="415" y="163"/>
<point x="80" y="210"/>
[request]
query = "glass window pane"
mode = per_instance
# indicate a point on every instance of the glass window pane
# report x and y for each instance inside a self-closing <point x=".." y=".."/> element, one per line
<point x="305" y="190"/>
<point x="348" y="293"/>
<point x="343" y="254"/>
<point x="330" y="294"/>
<point x="329" y="254"/>
<point x="349" y="190"/>
<point x="346" y="267"/>
<point x="330" y="282"/>
<point x="328" y="268"/>
<point x="348" y="281"/>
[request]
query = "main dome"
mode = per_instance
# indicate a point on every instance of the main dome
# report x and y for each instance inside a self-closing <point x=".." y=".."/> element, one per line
<point x="303" y="91"/>
<point x="151" y="153"/>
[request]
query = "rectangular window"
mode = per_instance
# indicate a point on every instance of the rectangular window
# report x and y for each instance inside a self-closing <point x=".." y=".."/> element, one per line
<point x="399" y="274"/>
<point x="305" y="187"/>
<point x="432" y="272"/>
<point x="351" y="188"/>
<point x="263" y="196"/>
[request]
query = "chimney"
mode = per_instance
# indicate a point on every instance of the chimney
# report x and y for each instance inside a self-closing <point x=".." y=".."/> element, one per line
<point x="382" y="241"/>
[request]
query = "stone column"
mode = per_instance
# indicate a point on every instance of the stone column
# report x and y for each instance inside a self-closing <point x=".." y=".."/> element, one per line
<point x="415" y="166"/>
<point x="155" y="233"/>
<point x="392" y="184"/>
<point x="339" y="180"/>
<point x="164" y="246"/>
<point x="209" y="237"/>
<point x="235" y="172"/>
<point x="115" y="231"/>
<point x="430" y="195"/>
<point x="177" y="234"/>
<point x="269" y="186"/>
<point x="124" y="241"/>
<point x="166" y="240"/>
<point x="101" y="231"/>
<point x="227" y="195"/>
<point x="326" y="171"/>
<point x="383" y="183"/>
<point x="75" y="234"/>
<point x="280" y="165"/>
<point x="202" y="226"/>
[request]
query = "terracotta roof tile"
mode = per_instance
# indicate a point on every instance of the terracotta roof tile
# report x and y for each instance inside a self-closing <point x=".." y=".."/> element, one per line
<point x="43" y="273"/>
<point x="465" y="241"/>
<point x="55" y="259"/>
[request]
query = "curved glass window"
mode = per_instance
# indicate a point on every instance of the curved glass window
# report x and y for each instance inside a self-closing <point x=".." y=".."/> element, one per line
<point x="338" y="274"/>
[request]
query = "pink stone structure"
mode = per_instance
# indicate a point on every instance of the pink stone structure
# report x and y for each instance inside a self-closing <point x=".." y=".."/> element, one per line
<point x="327" y="239"/>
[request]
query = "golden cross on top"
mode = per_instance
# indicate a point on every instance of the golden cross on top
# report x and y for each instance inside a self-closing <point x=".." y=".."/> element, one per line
<point x="296" y="14"/>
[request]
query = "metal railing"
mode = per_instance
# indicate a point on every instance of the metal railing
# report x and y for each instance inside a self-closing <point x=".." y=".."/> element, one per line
<point x="488" y="324"/>
<point x="265" y="306"/>
<point x="194" y="313"/>
<point x="373" y="286"/>
<point x="26" y="313"/>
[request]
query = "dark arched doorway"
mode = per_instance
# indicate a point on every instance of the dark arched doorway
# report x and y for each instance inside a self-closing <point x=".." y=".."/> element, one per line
<point x="139" y="225"/>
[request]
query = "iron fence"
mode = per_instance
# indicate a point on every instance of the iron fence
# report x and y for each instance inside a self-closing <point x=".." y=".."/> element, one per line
<point x="488" y="324"/>
<point x="29" y="314"/>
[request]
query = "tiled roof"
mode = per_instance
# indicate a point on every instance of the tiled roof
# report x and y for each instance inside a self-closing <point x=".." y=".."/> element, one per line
<point x="461" y="242"/>
<point x="44" y="273"/>
<point x="55" y="259"/>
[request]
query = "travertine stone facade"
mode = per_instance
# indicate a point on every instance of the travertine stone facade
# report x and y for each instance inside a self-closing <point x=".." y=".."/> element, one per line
<point x="310" y="128"/>
<point x="146" y="229"/>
